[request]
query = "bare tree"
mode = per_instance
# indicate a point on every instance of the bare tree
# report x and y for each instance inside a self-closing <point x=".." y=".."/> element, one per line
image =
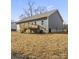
<point x="26" y="12"/>
<point x="31" y="10"/>
<point x="30" y="4"/>
<point x="36" y="11"/>
<point x="22" y="16"/>
<point x="41" y="9"/>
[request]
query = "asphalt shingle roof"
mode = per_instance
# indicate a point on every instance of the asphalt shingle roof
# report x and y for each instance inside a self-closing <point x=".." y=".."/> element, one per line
<point x="46" y="14"/>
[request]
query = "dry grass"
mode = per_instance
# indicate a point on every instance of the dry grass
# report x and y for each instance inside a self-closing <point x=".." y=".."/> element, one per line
<point x="40" y="46"/>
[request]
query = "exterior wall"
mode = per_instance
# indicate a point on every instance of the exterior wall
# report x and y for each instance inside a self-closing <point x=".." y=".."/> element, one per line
<point x="43" y="26"/>
<point x="18" y="27"/>
<point x="55" y="22"/>
<point x="13" y="26"/>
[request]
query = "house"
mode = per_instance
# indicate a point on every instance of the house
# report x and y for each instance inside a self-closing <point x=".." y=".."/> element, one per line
<point x="13" y="26"/>
<point x="50" y="21"/>
<point x="65" y="28"/>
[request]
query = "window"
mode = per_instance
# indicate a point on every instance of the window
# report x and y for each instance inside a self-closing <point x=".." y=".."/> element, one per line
<point x="42" y="22"/>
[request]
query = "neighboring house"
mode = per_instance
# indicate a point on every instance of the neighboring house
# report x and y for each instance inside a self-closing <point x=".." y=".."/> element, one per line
<point x="13" y="26"/>
<point x="46" y="22"/>
<point x="65" y="27"/>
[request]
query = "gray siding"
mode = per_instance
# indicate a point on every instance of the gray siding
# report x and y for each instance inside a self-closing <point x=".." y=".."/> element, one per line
<point x="55" y="22"/>
<point x="13" y="26"/>
<point x="44" y="25"/>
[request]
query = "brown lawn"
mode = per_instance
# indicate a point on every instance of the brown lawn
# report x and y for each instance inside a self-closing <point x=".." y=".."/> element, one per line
<point x="40" y="46"/>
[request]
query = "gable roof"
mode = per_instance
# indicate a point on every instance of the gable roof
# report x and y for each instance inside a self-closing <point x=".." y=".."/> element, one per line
<point x="46" y="14"/>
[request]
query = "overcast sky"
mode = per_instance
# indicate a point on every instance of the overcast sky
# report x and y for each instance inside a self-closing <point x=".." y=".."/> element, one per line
<point x="18" y="5"/>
